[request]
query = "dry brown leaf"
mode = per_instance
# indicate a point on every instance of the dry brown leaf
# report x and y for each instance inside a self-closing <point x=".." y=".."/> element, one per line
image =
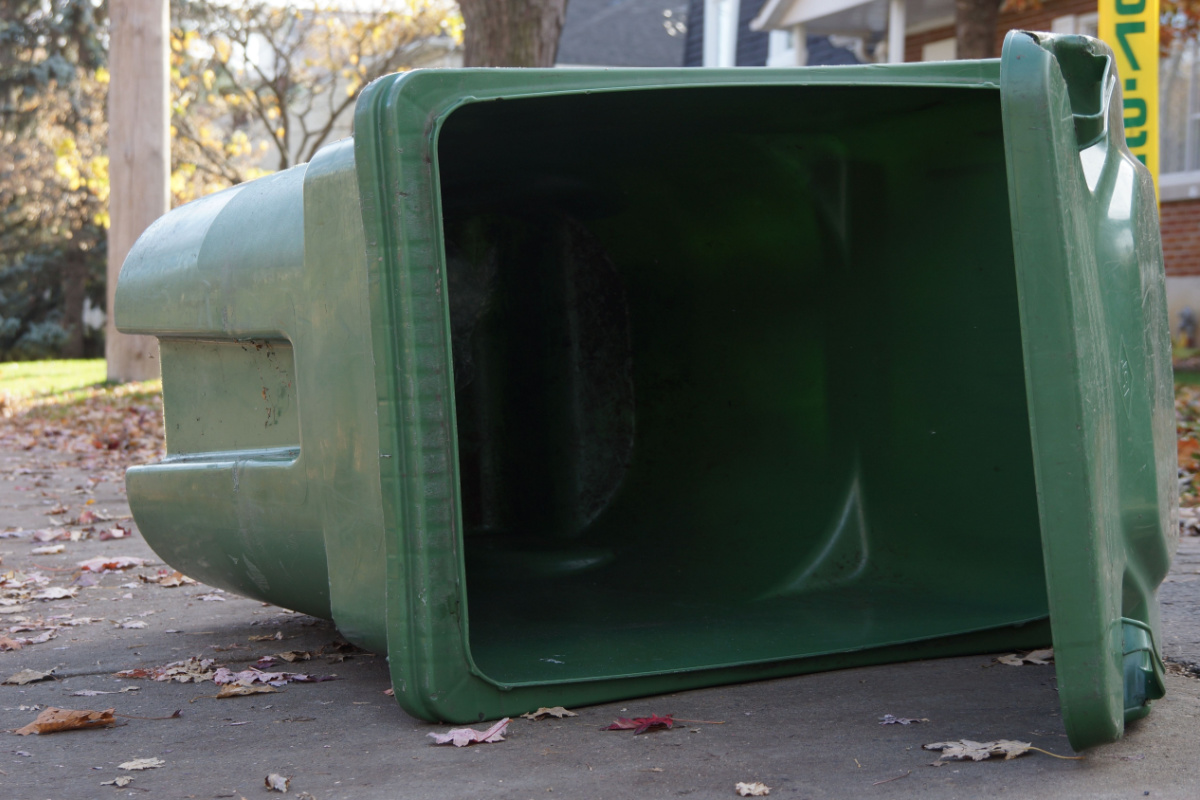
<point x="54" y="593"/>
<point x="190" y="670"/>
<point x="168" y="579"/>
<point x="558" y="712"/>
<point x="755" y="789"/>
<point x="9" y="643"/>
<point x="102" y="564"/>
<point x="55" y="720"/>
<point x="241" y="689"/>
<point x="48" y="550"/>
<point x="141" y="763"/>
<point x="119" y="782"/>
<point x="1036" y="657"/>
<point x="962" y="749"/>
<point x="276" y="636"/>
<point x="27" y="676"/>
<point x="277" y="783"/>
<point x="461" y="737"/>
<point x="888" y="719"/>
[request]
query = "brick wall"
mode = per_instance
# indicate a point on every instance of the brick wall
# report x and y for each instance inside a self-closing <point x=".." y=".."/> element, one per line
<point x="1033" y="20"/>
<point x="1180" y="221"/>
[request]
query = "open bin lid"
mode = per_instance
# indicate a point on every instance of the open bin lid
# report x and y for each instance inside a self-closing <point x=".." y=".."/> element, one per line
<point x="1096" y="341"/>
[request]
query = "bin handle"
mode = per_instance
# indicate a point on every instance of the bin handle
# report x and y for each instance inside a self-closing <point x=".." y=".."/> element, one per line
<point x="1087" y="68"/>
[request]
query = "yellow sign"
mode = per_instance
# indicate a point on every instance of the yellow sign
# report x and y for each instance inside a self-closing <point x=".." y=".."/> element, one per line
<point x="1130" y="28"/>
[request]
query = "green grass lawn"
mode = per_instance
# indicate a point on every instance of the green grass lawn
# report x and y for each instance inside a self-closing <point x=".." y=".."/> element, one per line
<point x="21" y="380"/>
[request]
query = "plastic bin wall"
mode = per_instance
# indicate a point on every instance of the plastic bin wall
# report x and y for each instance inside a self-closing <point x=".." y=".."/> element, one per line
<point x="565" y="386"/>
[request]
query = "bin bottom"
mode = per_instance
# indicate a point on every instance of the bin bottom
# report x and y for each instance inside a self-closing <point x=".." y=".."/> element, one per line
<point x="548" y="633"/>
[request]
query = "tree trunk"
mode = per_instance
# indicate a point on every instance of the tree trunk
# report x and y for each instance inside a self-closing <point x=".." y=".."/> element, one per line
<point x="139" y="151"/>
<point x="74" y="284"/>
<point x="511" y="33"/>
<point x="975" y="27"/>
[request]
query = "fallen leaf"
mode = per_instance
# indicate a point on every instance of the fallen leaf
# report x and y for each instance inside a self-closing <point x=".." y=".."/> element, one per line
<point x="54" y="593"/>
<point x="190" y="670"/>
<point x="120" y="782"/>
<point x="8" y="643"/>
<point x="888" y="719"/>
<point x="51" y="535"/>
<point x="102" y="564"/>
<point x="1037" y="657"/>
<point x="241" y="689"/>
<point x="132" y="625"/>
<point x="48" y="550"/>
<point x="277" y="783"/>
<point x="211" y="598"/>
<point x="291" y="656"/>
<point x="461" y="737"/>
<point x="116" y="532"/>
<point x="27" y="676"/>
<point x="277" y="636"/>
<point x="168" y="579"/>
<point x="962" y="749"/>
<point x="641" y="724"/>
<point x="390" y="692"/>
<point x="755" y="789"/>
<point x="141" y="763"/>
<point x="252" y="675"/>
<point x="56" y="720"/>
<point x="558" y="711"/>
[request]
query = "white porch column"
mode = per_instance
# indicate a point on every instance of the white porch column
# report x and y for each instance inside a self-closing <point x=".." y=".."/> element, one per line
<point x="896" y="24"/>
<point x="800" y="45"/>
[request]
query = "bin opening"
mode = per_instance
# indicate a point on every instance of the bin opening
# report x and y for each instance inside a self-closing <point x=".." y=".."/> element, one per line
<point x="738" y="376"/>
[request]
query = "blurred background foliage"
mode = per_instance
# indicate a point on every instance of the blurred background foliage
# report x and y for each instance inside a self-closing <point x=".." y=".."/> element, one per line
<point x="256" y="87"/>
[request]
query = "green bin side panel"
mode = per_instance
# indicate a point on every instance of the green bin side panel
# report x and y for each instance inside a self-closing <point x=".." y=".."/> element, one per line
<point x="259" y="296"/>
<point x="231" y="504"/>
<point x="1093" y="310"/>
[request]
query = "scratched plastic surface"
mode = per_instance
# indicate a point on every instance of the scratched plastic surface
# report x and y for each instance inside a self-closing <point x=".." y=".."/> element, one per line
<point x="562" y="387"/>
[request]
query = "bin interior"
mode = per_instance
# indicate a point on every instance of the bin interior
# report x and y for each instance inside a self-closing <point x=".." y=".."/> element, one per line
<point x="738" y="376"/>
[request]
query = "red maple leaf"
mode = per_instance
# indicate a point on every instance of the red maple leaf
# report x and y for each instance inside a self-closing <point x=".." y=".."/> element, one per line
<point x="641" y="724"/>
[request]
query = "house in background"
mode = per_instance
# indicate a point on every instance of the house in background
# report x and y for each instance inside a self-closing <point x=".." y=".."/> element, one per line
<point x="720" y="34"/>
<point x="800" y="32"/>
<point x="623" y="33"/>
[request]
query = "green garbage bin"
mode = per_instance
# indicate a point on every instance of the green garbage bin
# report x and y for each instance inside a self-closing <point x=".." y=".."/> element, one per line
<point x="559" y="387"/>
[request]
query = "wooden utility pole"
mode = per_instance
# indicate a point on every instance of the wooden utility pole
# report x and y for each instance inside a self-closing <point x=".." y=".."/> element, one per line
<point x="139" y="154"/>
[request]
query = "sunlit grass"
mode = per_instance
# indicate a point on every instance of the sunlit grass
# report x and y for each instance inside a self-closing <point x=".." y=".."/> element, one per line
<point x="54" y="389"/>
<point x="20" y="380"/>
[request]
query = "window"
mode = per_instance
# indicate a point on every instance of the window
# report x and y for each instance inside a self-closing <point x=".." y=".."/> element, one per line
<point x="782" y="51"/>
<point x="941" y="50"/>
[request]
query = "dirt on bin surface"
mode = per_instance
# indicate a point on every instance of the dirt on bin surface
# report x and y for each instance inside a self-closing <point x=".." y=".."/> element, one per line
<point x="337" y="734"/>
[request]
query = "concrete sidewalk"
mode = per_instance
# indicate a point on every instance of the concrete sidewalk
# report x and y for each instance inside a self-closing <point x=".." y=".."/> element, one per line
<point x="815" y="736"/>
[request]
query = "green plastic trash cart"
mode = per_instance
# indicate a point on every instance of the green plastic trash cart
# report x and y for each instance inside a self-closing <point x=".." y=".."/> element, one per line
<point x="560" y="387"/>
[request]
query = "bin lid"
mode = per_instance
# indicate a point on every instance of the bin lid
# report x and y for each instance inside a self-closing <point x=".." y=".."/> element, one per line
<point x="1097" y="367"/>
